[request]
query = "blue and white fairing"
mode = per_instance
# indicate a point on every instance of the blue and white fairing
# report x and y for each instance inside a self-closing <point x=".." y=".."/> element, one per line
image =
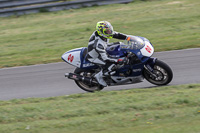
<point x="72" y="57"/>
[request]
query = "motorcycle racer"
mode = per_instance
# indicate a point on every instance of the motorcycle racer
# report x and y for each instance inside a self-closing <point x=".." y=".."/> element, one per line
<point x="97" y="54"/>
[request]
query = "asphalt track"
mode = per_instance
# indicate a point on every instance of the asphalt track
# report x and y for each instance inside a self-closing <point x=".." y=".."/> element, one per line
<point x="48" y="80"/>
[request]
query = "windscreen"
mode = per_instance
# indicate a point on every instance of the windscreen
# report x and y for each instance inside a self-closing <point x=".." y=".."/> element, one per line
<point x="135" y="43"/>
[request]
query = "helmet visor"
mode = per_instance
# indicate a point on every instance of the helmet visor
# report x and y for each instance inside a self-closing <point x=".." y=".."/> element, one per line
<point x="108" y="31"/>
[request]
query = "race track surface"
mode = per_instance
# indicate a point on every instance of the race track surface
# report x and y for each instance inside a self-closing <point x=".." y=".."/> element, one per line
<point x="48" y="80"/>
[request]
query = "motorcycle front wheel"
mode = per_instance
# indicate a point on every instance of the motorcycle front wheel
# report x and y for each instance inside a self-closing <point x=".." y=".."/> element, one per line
<point x="163" y="74"/>
<point x="85" y="86"/>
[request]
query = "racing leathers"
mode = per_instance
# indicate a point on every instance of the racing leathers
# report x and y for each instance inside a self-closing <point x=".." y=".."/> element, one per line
<point x="97" y="54"/>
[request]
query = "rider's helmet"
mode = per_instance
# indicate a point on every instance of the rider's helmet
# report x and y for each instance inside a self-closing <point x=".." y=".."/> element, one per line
<point x="105" y="29"/>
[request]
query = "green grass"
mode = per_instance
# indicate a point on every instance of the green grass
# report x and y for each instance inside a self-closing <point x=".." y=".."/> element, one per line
<point x="168" y="109"/>
<point x="44" y="37"/>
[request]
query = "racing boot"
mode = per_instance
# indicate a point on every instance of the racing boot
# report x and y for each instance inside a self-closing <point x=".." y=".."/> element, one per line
<point x="109" y="73"/>
<point x="99" y="78"/>
<point x="111" y="70"/>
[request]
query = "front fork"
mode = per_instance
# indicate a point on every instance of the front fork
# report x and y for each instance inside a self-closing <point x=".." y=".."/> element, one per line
<point x="150" y="65"/>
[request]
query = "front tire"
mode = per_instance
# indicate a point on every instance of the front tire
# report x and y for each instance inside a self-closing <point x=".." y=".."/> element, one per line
<point x="84" y="86"/>
<point x="163" y="74"/>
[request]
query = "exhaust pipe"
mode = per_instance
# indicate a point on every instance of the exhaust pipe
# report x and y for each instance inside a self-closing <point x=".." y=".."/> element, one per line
<point x="78" y="77"/>
<point x="66" y="74"/>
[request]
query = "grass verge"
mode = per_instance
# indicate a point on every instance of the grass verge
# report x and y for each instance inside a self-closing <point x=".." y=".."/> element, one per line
<point x="44" y="37"/>
<point x="174" y="109"/>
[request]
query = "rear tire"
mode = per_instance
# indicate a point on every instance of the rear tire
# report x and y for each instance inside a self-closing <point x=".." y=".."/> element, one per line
<point x="84" y="86"/>
<point x="163" y="72"/>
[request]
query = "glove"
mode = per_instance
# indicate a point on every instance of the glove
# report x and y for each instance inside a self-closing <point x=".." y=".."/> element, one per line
<point x="128" y="38"/>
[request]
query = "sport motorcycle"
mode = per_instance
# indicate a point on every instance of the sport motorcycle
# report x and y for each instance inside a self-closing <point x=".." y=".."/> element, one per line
<point x="140" y="65"/>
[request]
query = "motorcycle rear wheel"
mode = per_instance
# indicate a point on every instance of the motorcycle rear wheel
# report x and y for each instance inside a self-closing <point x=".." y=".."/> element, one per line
<point x="84" y="86"/>
<point x="162" y="71"/>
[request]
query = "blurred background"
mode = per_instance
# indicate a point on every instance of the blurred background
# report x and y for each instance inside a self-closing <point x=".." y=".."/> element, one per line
<point x="40" y="31"/>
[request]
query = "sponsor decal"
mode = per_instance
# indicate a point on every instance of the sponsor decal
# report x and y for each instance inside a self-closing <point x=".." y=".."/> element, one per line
<point x="74" y="76"/>
<point x="88" y="64"/>
<point x="137" y="70"/>
<point x="70" y="58"/>
<point x="148" y="49"/>
<point x="114" y="55"/>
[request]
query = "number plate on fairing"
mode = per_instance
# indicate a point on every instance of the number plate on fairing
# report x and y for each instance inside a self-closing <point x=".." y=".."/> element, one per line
<point x="147" y="50"/>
